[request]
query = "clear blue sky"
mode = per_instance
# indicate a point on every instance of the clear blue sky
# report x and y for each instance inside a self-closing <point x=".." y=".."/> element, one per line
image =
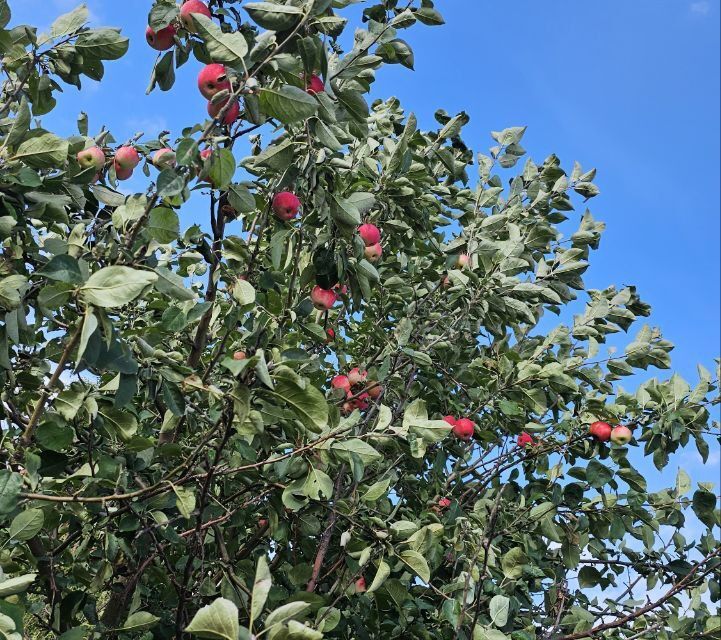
<point x="630" y="87"/>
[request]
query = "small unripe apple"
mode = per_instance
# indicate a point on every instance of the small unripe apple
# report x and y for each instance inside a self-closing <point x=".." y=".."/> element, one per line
<point x="315" y="85"/>
<point x="163" y="158"/>
<point x="444" y="503"/>
<point x="601" y="431"/>
<point x="231" y="115"/>
<point x="341" y="382"/>
<point x="621" y="435"/>
<point x="373" y="253"/>
<point x="360" y="585"/>
<point x="525" y="439"/>
<point x="190" y="7"/>
<point x="122" y="174"/>
<point x="450" y="420"/>
<point x="92" y="157"/>
<point x="212" y="79"/>
<point x="285" y="205"/>
<point x="127" y="157"/>
<point x="369" y="233"/>
<point x="161" y="40"/>
<point x="239" y="355"/>
<point x="356" y="376"/>
<point x="323" y="299"/>
<point x="464" y="428"/>
<point x="463" y="260"/>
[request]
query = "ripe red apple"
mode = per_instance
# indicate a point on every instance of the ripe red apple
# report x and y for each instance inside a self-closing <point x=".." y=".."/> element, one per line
<point x="262" y="523"/>
<point x="127" y="157"/>
<point x="285" y="205"/>
<point x="212" y="79"/>
<point x="205" y="154"/>
<point x="356" y="376"/>
<point x="362" y="402"/>
<point x="340" y="289"/>
<point x="369" y="233"/>
<point x="161" y="40"/>
<point x="231" y="115"/>
<point x="91" y="157"/>
<point x="239" y="355"/>
<point x="323" y="299"/>
<point x="315" y="85"/>
<point x="190" y="7"/>
<point x="601" y="431"/>
<point x="331" y="335"/>
<point x="450" y="420"/>
<point x="446" y="282"/>
<point x="525" y="439"/>
<point x="360" y="585"/>
<point x="444" y="503"/>
<point x="163" y="158"/>
<point x="621" y="435"/>
<point x="464" y="428"/>
<point x="463" y="260"/>
<point x="373" y="253"/>
<point x="341" y="382"/>
<point x="122" y="174"/>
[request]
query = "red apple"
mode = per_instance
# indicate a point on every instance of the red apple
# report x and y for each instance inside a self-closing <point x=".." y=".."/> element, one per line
<point x="444" y="503"/>
<point x="127" y="157"/>
<point x="315" y="85"/>
<point x="369" y="233"/>
<point x="204" y="155"/>
<point x="362" y="402"/>
<point x="525" y="440"/>
<point x="262" y="523"/>
<point x="323" y="299"/>
<point x="360" y="585"/>
<point x="375" y="391"/>
<point x="285" y="205"/>
<point x="341" y="382"/>
<point x="601" y="431"/>
<point x="373" y="253"/>
<point x="239" y="355"/>
<point x="356" y="376"/>
<point x="164" y="158"/>
<point x="91" y="157"/>
<point x="450" y="420"/>
<point x="463" y="260"/>
<point x="621" y="435"/>
<point x="464" y="428"/>
<point x="212" y="79"/>
<point x="120" y="173"/>
<point x="231" y="115"/>
<point x="190" y="7"/>
<point x="161" y="40"/>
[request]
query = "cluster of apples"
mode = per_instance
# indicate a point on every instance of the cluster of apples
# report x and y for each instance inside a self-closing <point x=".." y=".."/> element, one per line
<point x="371" y="236"/>
<point x="358" y="390"/>
<point x="603" y="432"/>
<point x="463" y="428"/>
<point x="164" y="38"/>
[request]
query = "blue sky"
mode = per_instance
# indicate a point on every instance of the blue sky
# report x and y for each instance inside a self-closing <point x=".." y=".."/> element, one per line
<point x="630" y="87"/>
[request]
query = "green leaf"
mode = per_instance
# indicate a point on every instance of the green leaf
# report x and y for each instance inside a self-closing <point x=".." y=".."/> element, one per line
<point x="345" y="212"/>
<point x="417" y="563"/>
<point x="20" y="125"/>
<point x="63" y="268"/>
<point x="308" y="403"/>
<point x="276" y="17"/>
<point x="15" y="585"/>
<point x="140" y="621"/>
<point x="184" y="500"/>
<point x="243" y="292"/>
<point x="104" y="44"/>
<point x="170" y="183"/>
<point x="499" y="608"/>
<point x="597" y="474"/>
<point x="218" y="621"/>
<point x="383" y="572"/>
<point x="683" y="483"/>
<point x="69" y="22"/>
<point x="43" y="151"/>
<point x="429" y="16"/>
<point x="285" y="613"/>
<point x="26" y="524"/>
<point x="115" y="286"/>
<point x="12" y="289"/>
<point x="358" y="447"/>
<point x="10" y="485"/>
<point x="230" y="48"/>
<point x="703" y="505"/>
<point x="240" y="198"/>
<point x="54" y="437"/>
<point x="512" y="563"/>
<point x="261" y="588"/>
<point x="222" y="168"/>
<point x="288" y="104"/>
<point x="163" y="225"/>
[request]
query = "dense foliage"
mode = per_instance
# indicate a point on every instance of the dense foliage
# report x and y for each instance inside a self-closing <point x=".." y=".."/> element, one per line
<point x="177" y="462"/>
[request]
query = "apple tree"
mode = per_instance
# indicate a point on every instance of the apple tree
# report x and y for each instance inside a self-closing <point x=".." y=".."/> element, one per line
<point x="335" y="405"/>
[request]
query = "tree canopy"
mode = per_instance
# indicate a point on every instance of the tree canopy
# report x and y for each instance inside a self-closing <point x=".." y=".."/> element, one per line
<point x="331" y="407"/>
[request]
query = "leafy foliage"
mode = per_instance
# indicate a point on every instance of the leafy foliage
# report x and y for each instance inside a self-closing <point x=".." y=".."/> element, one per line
<point x="176" y="462"/>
